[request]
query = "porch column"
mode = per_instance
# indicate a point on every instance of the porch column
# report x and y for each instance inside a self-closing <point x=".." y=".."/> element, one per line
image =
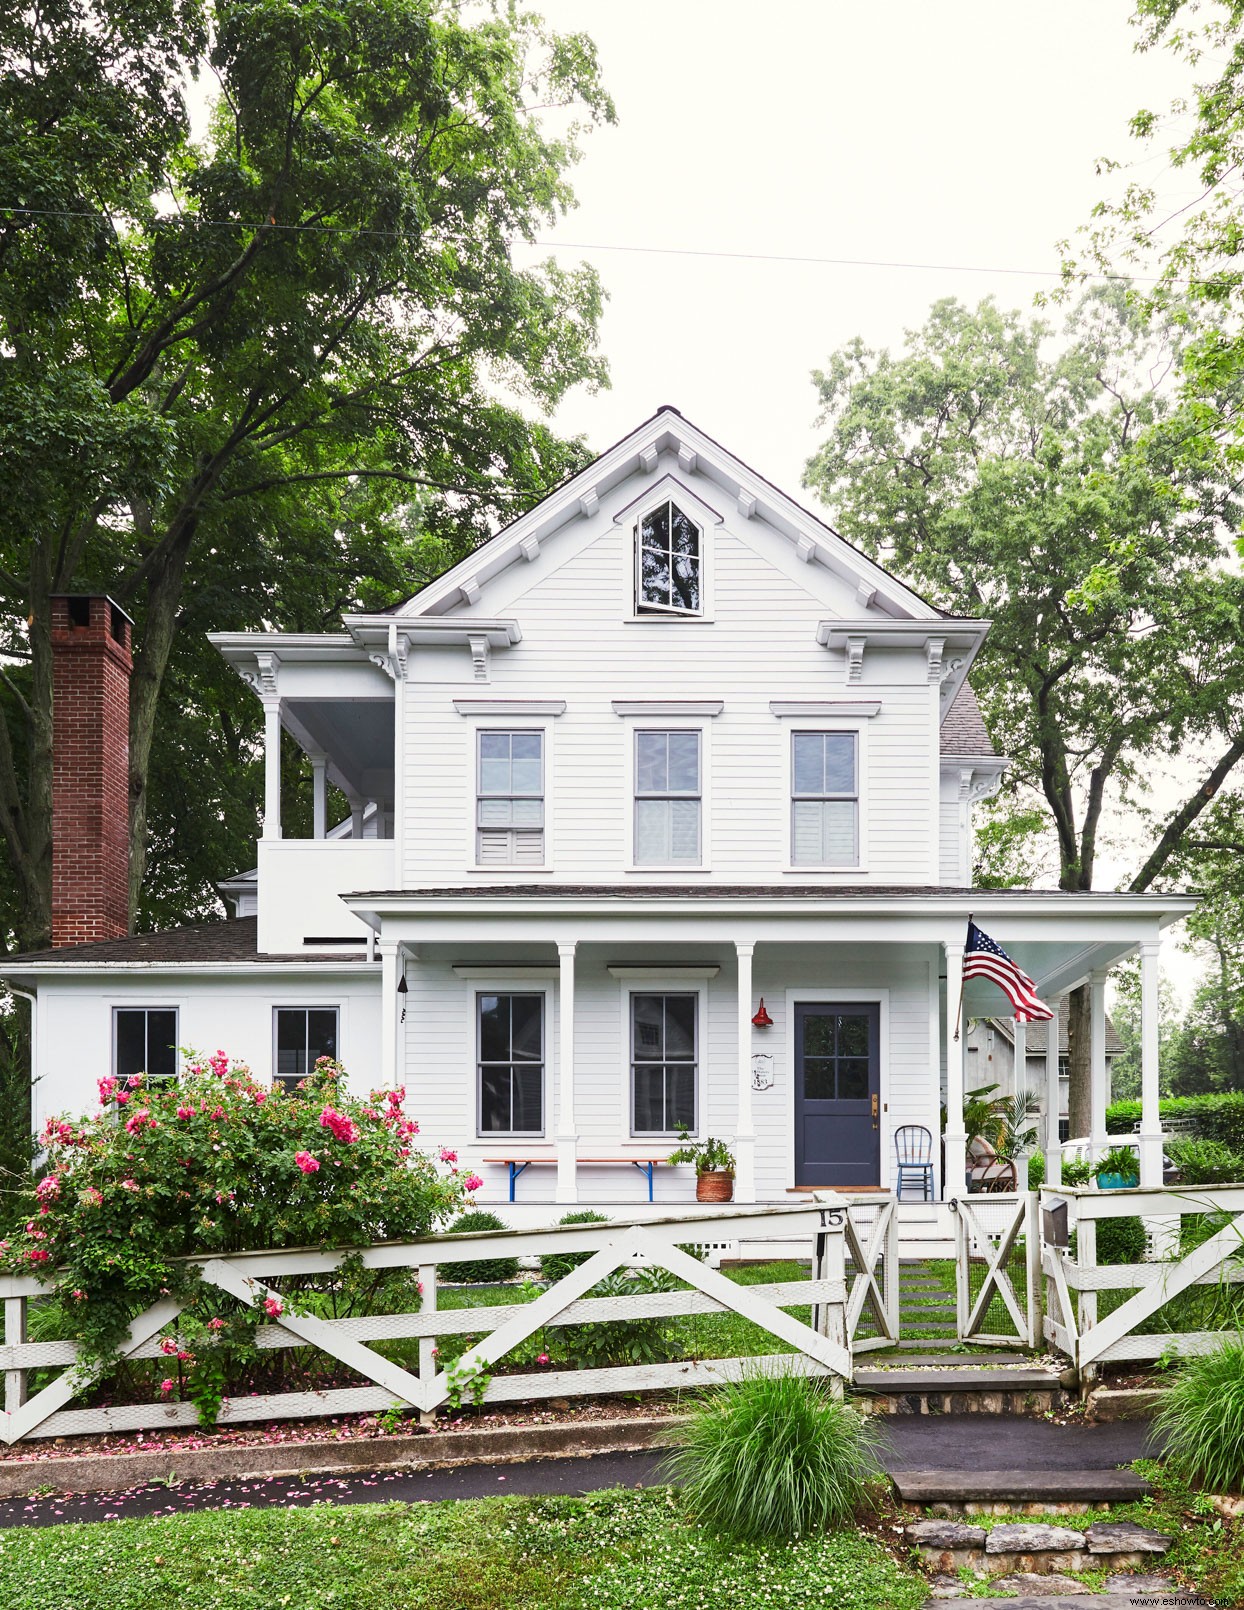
<point x="1019" y="1081"/>
<point x="954" y="1135"/>
<point x="271" y="767"/>
<point x="389" y="1008"/>
<point x="319" y="796"/>
<point x="1053" y="1096"/>
<point x="1150" y="1112"/>
<point x="745" y="1133"/>
<point x="1097" y="1060"/>
<point x="567" y="1139"/>
<point x="356" y="816"/>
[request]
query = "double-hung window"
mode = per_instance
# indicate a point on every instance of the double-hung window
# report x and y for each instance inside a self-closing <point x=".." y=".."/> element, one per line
<point x="664" y="1063"/>
<point x="509" y="806"/>
<point x="667" y="798"/>
<point x="825" y="799"/>
<point x="144" y="1040"/>
<point x="302" y="1035"/>
<point x="669" y="563"/>
<point x="510" y="1064"/>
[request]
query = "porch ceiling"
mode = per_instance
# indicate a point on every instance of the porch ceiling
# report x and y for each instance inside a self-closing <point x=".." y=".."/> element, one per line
<point x="357" y="736"/>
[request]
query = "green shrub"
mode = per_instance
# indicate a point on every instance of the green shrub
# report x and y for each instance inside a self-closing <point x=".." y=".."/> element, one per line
<point x="775" y="1455"/>
<point x="483" y="1271"/>
<point x="556" y="1265"/>
<point x="1077" y="1171"/>
<point x="1206" y="1162"/>
<point x="622" y="1341"/>
<point x="1036" y="1171"/>
<point x="1201" y="1421"/>
<point x="1121" y="1240"/>
<point x="1219" y="1116"/>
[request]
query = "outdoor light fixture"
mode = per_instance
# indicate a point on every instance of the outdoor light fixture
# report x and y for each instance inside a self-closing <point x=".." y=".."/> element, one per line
<point x="762" y="1020"/>
<point x="401" y="990"/>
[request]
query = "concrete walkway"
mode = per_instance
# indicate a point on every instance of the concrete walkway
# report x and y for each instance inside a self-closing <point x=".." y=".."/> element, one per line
<point x="947" y="1442"/>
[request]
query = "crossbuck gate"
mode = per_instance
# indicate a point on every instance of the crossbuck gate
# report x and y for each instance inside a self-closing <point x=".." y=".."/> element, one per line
<point x="822" y="1348"/>
<point x="997" y="1267"/>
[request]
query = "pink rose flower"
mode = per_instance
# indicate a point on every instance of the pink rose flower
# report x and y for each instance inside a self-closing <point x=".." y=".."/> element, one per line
<point x="542" y="1358"/>
<point x="273" y="1307"/>
<point x="122" y="1098"/>
<point x="447" y="1156"/>
<point x="341" y="1126"/>
<point x="472" y="1182"/>
<point x="37" y="1255"/>
<point x="168" y="1345"/>
<point x="92" y="1197"/>
<point x="185" y="1112"/>
<point x="166" y="1385"/>
<point x="48" y="1188"/>
<point x="306" y="1162"/>
<point x="106" y="1087"/>
<point x="215" y="1324"/>
<point x="129" y="1185"/>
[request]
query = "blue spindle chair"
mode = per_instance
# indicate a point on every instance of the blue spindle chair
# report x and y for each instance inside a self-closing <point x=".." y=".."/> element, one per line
<point x="913" y="1148"/>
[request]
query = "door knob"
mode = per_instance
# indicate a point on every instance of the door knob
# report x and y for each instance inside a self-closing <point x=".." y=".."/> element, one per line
<point x="876" y="1100"/>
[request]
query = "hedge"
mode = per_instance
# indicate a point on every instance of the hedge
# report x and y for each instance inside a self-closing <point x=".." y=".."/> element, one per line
<point x="1218" y="1117"/>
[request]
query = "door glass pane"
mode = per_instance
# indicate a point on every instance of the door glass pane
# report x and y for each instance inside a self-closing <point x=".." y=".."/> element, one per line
<point x="852" y="1036"/>
<point x="322" y="1034"/>
<point x="680" y="1096"/>
<point x="527" y="1038"/>
<point x="818" y="1079"/>
<point x="853" y="1079"/>
<point x="494" y="1028"/>
<point x="809" y="763"/>
<point x="818" y="1035"/>
<point x="839" y="763"/>
<point x="494" y="1098"/>
<point x="162" y="1045"/>
<point x="131" y="1043"/>
<point x="652" y="831"/>
<point x="651" y="768"/>
<point x="684" y="762"/>
<point x="291" y="1043"/>
<point x="680" y="1028"/>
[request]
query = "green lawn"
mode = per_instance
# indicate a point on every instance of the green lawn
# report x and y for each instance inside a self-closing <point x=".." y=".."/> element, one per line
<point x="612" y="1551"/>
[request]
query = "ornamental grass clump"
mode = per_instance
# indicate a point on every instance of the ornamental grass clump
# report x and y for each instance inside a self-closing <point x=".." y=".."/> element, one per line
<point x="1201" y="1420"/>
<point x="775" y="1455"/>
<point x="213" y="1163"/>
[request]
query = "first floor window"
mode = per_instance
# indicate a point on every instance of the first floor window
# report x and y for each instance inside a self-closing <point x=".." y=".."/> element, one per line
<point x="664" y="1063"/>
<point x="144" y="1040"/>
<point x="824" y="799"/>
<point x="303" y="1035"/>
<point x="510" y="1039"/>
<point x="509" y="806"/>
<point x="667" y="798"/>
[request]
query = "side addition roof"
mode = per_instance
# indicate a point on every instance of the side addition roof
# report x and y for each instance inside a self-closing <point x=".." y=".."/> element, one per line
<point x="963" y="727"/>
<point x="235" y="940"/>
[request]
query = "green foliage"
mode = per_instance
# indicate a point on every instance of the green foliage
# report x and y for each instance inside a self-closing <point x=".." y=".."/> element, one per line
<point x="1077" y="1171"/>
<point x="1201" y="1420"/>
<point x="775" y="1455"/>
<point x="484" y="1271"/>
<point x="17" y="1141"/>
<point x="555" y="1265"/>
<point x="1121" y="1240"/>
<point x="1036" y="1171"/>
<point x="1218" y="1117"/>
<point x="255" y="378"/>
<point x="1205" y="1162"/>
<point x="707" y="1156"/>
<point x="621" y="1341"/>
<point x="217" y="1163"/>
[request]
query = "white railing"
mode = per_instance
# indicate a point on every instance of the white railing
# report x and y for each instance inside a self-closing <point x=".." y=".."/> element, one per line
<point x="822" y="1348"/>
<point x="988" y="1231"/>
<point x="1075" y="1283"/>
<point x="871" y="1228"/>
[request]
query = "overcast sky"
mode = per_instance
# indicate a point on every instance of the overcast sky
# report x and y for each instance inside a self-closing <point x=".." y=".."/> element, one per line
<point x="960" y="133"/>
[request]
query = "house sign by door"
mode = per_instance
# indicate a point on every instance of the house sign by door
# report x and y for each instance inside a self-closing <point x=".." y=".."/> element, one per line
<point x="762" y="1070"/>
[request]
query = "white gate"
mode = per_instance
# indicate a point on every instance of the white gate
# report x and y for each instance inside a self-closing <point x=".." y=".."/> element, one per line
<point x="997" y="1260"/>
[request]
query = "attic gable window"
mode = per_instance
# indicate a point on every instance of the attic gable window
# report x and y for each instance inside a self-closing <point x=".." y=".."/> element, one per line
<point x="669" y="563"/>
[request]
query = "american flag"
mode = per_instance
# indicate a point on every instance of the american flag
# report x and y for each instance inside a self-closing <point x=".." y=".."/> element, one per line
<point x="985" y="958"/>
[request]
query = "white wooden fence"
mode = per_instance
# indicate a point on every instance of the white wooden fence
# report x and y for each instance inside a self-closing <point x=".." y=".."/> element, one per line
<point x="1075" y="1282"/>
<point x="996" y="1236"/>
<point x="822" y="1348"/>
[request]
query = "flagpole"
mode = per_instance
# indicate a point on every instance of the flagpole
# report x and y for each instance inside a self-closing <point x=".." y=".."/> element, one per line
<point x="959" y="1009"/>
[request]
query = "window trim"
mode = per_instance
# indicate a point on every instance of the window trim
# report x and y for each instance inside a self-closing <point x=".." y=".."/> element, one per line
<point x="303" y="1006"/>
<point x="471" y="769"/>
<point x="640" y="725"/>
<point x="504" y="985"/>
<point x="860" y="730"/>
<point x="664" y="982"/>
<point x="135" y="1006"/>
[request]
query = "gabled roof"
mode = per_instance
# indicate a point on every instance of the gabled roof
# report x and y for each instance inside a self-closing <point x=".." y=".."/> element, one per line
<point x="668" y="430"/>
<point x="1035" y="1042"/>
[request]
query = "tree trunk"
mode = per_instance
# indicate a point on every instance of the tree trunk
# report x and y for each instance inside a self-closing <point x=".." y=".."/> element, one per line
<point x="1079" y="1098"/>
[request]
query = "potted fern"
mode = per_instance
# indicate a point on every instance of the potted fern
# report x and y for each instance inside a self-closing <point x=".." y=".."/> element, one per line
<point x="1117" y="1169"/>
<point x="713" y="1162"/>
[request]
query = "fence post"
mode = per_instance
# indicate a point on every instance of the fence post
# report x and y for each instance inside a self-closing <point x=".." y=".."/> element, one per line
<point x="1032" y="1268"/>
<point x="14" y="1334"/>
<point x="829" y="1319"/>
<point x="1086" y="1258"/>
<point x="963" y="1259"/>
<point x="893" y="1291"/>
<point x="427" y="1344"/>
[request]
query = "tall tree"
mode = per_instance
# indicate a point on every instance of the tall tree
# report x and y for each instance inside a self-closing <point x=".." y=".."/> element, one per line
<point x="1072" y="498"/>
<point x="226" y="361"/>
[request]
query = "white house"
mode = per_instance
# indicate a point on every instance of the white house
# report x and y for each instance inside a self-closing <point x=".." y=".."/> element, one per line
<point x="664" y="746"/>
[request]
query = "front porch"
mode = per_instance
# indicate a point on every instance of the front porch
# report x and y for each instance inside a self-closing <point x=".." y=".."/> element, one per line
<point x="559" y="1040"/>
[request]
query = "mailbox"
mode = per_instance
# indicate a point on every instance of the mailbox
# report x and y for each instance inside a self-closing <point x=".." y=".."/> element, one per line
<point x="1054" y="1224"/>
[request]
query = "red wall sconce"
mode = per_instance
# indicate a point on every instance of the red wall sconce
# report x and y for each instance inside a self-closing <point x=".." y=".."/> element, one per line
<point x="762" y="1020"/>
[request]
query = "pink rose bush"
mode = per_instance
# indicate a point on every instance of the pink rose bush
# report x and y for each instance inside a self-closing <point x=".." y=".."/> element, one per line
<point x="163" y="1174"/>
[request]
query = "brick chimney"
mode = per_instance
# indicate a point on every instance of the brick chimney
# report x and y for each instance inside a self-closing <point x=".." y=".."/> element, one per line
<point x="91" y="668"/>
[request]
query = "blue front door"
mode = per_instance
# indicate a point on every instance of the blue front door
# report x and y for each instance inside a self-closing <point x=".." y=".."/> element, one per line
<point x="837" y="1093"/>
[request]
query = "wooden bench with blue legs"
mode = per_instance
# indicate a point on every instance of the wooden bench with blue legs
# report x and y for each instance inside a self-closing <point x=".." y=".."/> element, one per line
<point x="516" y="1165"/>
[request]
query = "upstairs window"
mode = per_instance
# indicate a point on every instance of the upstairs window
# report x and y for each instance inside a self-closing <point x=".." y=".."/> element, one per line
<point x="144" y="1040"/>
<point x="824" y="799"/>
<point x="509" y="807"/>
<point x="669" y="563"/>
<point x="303" y="1035"/>
<point x="667" y="798"/>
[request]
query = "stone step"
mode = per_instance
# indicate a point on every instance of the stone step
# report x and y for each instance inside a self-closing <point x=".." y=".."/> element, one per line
<point x="955" y="1378"/>
<point x="948" y="1361"/>
<point x="1082" y="1599"/>
<point x="1020" y="1486"/>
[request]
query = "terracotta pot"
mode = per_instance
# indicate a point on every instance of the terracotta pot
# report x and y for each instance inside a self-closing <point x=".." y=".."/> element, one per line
<point x="716" y="1186"/>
